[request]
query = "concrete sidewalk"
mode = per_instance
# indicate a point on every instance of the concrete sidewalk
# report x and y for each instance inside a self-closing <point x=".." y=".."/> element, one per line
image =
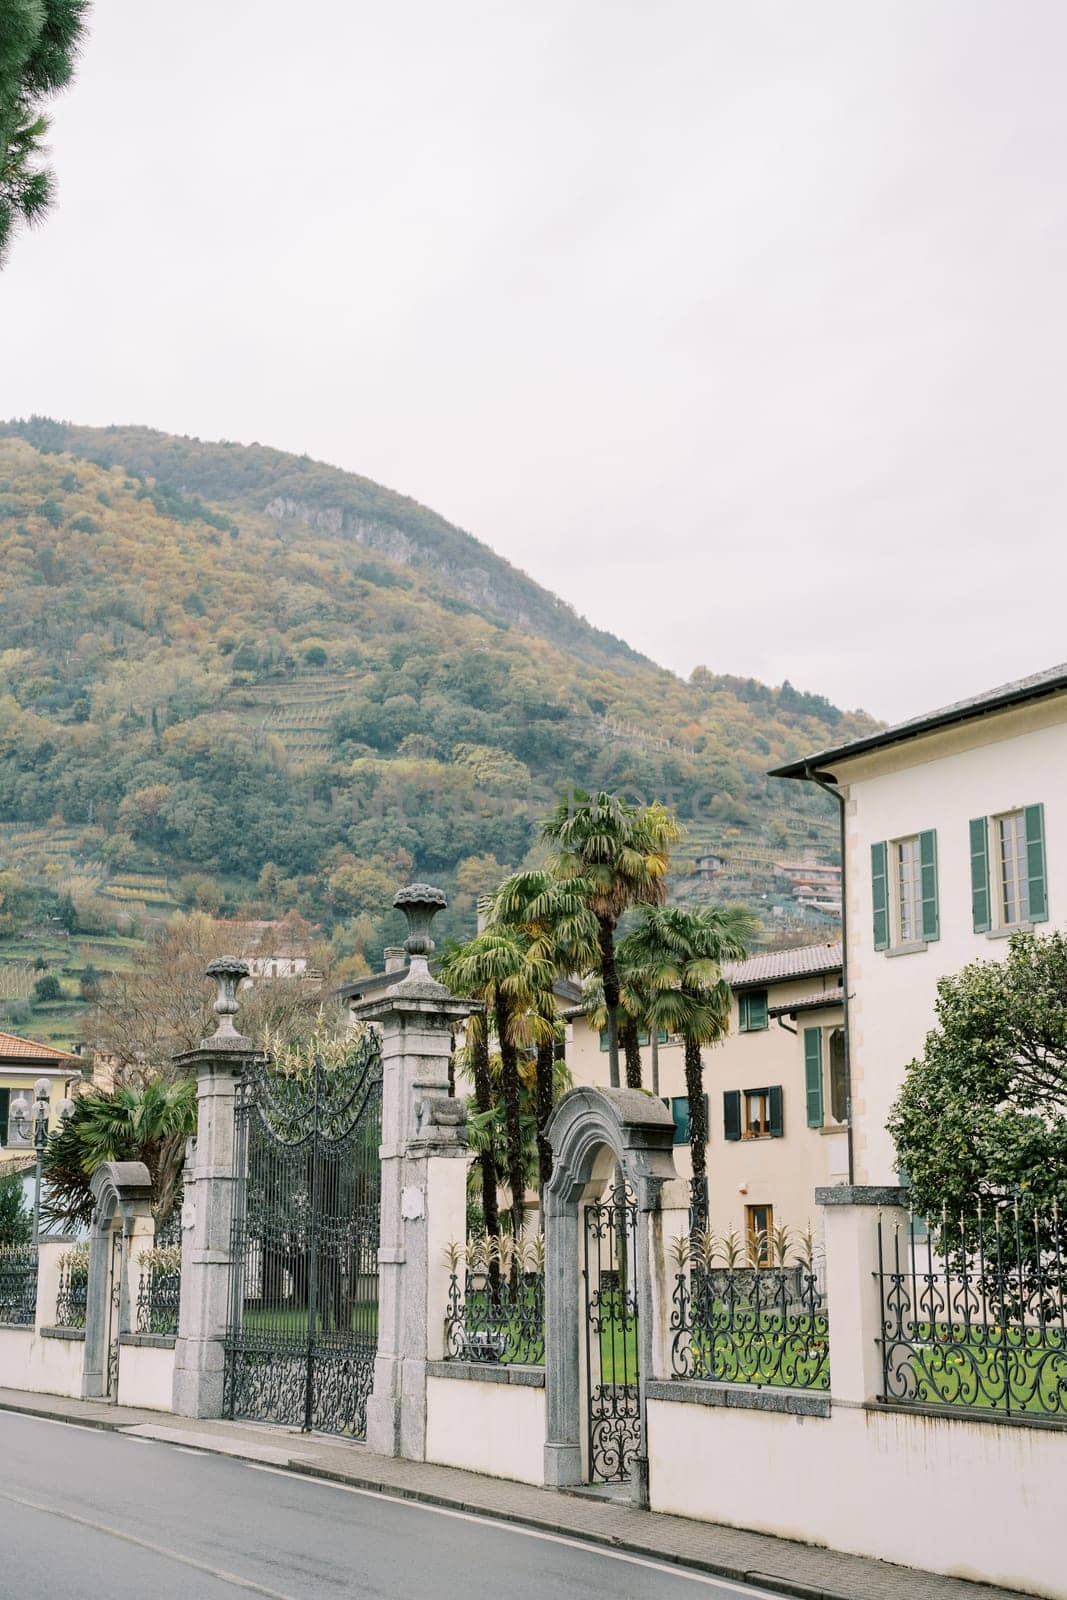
<point x="802" y="1571"/>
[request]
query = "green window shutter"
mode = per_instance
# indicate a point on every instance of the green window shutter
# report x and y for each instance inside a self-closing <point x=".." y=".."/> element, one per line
<point x="880" y="895"/>
<point x="931" y="922"/>
<point x="757" y="1010"/>
<point x="742" y="1013"/>
<point x="775" y="1125"/>
<point x="1035" y="862"/>
<point x="604" y="1040"/>
<point x="731" y="1114"/>
<point x="813" y="1075"/>
<point x="680" y="1113"/>
<point x="980" y="874"/>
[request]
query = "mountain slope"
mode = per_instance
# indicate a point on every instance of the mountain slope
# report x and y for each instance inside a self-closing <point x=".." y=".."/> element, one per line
<point x="208" y="701"/>
<point x="307" y="497"/>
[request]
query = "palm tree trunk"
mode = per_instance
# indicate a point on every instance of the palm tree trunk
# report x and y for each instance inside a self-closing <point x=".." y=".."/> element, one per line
<point x="509" y="1079"/>
<point x="546" y="1073"/>
<point x="483" y="1099"/>
<point x="632" y="1051"/>
<point x="609" y="973"/>
<point x="698" y="1131"/>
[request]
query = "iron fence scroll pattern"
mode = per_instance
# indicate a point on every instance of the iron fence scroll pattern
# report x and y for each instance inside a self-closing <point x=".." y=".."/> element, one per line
<point x="18" y="1285"/>
<point x="498" y="1314"/>
<point x="73" y="1292"/>
<point x="159" y="1290"/>
<point x="611" y="1344"/>
<point x="303" y="1323"/>
<point x="974" y="1312"/>
<point x="750" y="1312"/>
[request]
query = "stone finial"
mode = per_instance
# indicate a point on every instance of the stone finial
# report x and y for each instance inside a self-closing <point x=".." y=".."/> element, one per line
<point x="420" y="903"/>
<point x="227" y="973"/>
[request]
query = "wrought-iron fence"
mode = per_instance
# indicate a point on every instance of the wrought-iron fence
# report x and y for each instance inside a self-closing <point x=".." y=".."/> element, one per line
<point x="974" y="1312"/>
<point x="159" y="1290"/>
<point x="73" y="1290"/>
<point x="18" y="1285"/>
<point x="751" y="1311"/>
<point x="498" y="1314"/>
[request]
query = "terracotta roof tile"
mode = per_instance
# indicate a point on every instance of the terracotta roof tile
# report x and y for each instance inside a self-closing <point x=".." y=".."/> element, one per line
<point x="779" y="966"/>
<point x="12" y="1046"/>
<point x="809" y="1002"/>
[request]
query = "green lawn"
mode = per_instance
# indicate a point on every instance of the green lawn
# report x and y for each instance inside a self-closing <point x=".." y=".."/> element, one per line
<point x="1022" y="1374"/>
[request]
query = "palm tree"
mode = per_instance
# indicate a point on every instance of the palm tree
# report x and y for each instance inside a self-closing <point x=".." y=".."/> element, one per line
<point x="679" y="955"/>
<point x="561" y="933"/>
<point x="633" y="1017"/>
<point x="150" y="1124"/>
<point x="619" y="853"/>
<point x="496" y="967"/>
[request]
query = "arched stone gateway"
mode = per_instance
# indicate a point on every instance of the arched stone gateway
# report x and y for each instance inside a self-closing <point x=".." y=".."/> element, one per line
<point x="123" y="1194"/>
<point x="611" y="1153"/>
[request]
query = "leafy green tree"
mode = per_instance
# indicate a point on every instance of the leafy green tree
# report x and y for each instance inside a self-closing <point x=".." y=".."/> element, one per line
<point x="16" y="1221"/>
<point x="677" y="956"/>
<point x="621" y="853"/>
<point x="150" y="1124"/>
<point x="38" y="46"/>
<point x="48" y="988"/>
<point x="982" y="1113"/>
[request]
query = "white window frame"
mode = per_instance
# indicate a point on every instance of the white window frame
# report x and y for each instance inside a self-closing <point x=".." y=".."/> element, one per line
<point x="998" y="875"/>
<point x="905" y="891"/>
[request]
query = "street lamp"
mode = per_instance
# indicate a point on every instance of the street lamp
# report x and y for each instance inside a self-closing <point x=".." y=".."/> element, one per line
<point x="20" y="1117"/>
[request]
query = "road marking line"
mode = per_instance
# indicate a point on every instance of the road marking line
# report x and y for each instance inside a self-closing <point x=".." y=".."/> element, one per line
<point x="233" y="1578"/>
<point x="576" y="1543"/>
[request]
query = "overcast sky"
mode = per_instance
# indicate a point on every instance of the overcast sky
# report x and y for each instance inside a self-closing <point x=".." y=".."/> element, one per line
<point x="739" y="325"/>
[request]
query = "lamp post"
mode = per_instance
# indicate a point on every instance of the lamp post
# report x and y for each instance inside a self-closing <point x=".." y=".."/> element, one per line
<point x="20" y="1117"/>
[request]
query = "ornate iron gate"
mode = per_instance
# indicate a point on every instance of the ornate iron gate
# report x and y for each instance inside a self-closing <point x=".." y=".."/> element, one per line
<point x="611" y="1352"/>
<point x="304" y="1288"/>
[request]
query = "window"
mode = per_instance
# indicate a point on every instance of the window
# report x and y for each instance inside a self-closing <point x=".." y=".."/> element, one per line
<point x="1008" y="874"/>
<point x="909" y="891"/>
<point x="678" y="1106"/>
<point x="824" y="1076"/>
<point x="752" y="1011"/>
<point x="644" y="1038"/>
<point x="904" y="896"/>
<point x="753" y="1113"/>
<point x="759" y="1234"/>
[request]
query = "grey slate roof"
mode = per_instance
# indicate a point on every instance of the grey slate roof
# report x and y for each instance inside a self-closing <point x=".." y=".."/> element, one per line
<point x="1039" y="686"/>
<point x="810" y="1002"/>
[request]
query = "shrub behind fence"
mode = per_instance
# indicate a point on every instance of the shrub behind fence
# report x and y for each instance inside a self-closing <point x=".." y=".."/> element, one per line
<point x="499" y="1313"/>
<point x="751" y="1312"/>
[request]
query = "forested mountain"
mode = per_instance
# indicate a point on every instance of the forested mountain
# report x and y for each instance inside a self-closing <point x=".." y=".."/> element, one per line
<point x="241" y="680"/>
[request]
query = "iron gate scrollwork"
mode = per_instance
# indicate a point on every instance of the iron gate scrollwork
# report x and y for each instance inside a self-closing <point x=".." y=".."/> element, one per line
<point x="611" y="1347"/>
<point x="303" y="1321"/>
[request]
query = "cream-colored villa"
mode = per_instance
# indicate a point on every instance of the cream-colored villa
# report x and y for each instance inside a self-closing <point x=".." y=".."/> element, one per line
<point x="777" y="1107"/>
<point x="955" y="836"/>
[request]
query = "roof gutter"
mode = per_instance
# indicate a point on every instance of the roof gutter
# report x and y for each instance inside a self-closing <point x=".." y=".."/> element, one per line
<point x="828" y="783"/>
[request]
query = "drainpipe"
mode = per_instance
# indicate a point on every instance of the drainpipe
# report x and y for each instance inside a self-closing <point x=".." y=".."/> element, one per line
<point x="829" y="785"/>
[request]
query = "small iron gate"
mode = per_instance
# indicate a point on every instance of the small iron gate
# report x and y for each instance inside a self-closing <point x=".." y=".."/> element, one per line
<point x="611" y="1352"/>
<point x="303" y="1320"/>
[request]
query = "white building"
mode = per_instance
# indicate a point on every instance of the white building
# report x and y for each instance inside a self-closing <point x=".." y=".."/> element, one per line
<point x="955" y="836"/>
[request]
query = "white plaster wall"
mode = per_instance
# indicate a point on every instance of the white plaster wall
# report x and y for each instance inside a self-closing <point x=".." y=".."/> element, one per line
<point x="1013" y="760"/>
<point x="971" y="1499"/>
<point x="44" y="1366"/>
<point x="495" y="1428"/>
<point x="15" y="1347"/>
<point x="146" y="1377"/>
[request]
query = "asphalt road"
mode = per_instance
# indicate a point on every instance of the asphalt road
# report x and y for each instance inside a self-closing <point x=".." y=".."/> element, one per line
<point x="88" y="1515"/>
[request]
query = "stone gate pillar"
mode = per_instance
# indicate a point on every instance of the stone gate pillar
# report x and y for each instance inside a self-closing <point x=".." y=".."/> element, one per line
<point x="853" y="1218"/>
<point x="423" y="1182"/>
<point x="207" y="1209"/>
